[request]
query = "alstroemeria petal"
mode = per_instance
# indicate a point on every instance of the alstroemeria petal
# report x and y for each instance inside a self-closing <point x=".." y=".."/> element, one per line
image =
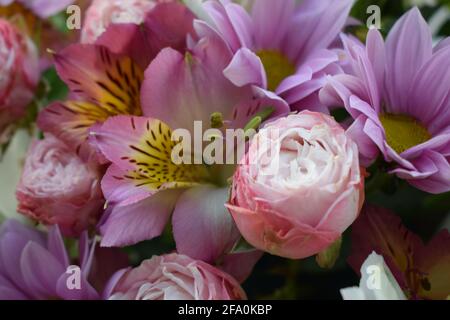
<point x="434" y="263"/>
<point x="101" y="77"/>
<point x="70" y="122"/>
<point x="119" y="190"/>
<point x="197" y="86"/>
<point x="144" y="220"/>
<point x="203" y="228"/>
<point x="142" y="148"/>
<point x="240" y="264"/>
<point x="380" y="231"/>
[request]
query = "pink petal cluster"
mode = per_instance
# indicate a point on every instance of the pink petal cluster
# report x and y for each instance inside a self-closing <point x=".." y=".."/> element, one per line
<point x="19" y="74"/>
<point x="57" y="187"/>
<point x="102" y="13"/>
<point x="299" y="187"/>
<point x="174" y="277"/>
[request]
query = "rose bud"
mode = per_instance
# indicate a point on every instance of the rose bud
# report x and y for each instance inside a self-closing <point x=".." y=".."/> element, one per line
<point x="57" y="187"/>
<point x="299" y="187"/>
<point x="173" y="277"/>
<point x="19" y="75"/>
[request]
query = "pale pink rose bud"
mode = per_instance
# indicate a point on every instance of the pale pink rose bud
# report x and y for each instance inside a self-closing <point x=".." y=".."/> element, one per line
<point x="174" y="277"/>
<point x="57" y="187"/>
<point x="299" y="187"/>
<point x="102" y="13"/>
<point x="19" y="74"/>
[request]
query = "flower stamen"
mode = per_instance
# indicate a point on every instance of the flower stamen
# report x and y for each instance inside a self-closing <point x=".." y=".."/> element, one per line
<point x="403" y="132"/>
<point x="278" y="67"/>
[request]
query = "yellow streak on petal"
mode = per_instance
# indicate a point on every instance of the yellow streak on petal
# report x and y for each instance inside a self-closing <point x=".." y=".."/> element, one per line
<point x="152" y="158"/>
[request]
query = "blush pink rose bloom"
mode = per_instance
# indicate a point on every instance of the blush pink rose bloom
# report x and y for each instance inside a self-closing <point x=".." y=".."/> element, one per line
<point x="102" y="13"/>
<point x="57" y="187"/>
<point x="173" y="277"/>
<point x="299" y="187"/>
<point x="19" y="75"/>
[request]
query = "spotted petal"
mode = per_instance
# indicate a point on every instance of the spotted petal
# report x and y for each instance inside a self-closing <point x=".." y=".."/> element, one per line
<point x="70" y="121"/>
<point x="105" y="79"/>
<point x="104" y="85"/>
<point x="434" y="263"/>
<point x="142" y="149"/>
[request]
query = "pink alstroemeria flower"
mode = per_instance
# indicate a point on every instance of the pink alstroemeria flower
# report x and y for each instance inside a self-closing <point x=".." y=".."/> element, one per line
<point x="280" y="47"/>
<point x="398" y="94"/>
<point x="105" y="78"/>
<point x="105" y="81"/>
<point x="144" y="187"/>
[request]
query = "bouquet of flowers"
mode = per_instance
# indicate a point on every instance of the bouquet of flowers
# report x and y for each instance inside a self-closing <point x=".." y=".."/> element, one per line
<point x="221" y="150"/>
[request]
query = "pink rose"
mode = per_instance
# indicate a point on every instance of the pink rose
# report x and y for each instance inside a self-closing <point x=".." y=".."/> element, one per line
<point x="19" y="74"/>
<point x="174" y="277"/>
<point x="298" y="187"/>
<point x="57" y="187"/>
<point x="102" y="13"/>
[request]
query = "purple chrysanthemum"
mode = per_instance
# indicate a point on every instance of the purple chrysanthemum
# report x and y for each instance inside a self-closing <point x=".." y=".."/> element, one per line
<point x="398" y="94"/>
<point x="35" y="266"/>
<point x="280" y="47"/>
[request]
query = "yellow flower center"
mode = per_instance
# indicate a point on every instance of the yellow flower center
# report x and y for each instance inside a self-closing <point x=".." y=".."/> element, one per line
<point x="403" y="132"/>
<point x="277" y="66"/>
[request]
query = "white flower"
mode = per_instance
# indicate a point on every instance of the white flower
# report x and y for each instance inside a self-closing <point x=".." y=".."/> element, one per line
<point x="377" y="282"/>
